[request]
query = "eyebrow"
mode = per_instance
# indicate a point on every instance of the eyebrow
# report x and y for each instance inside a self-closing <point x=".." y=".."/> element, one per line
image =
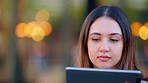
<point x="95" y="33"/>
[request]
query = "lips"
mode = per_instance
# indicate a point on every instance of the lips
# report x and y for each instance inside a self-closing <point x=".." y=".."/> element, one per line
<point x="104" y="58"/>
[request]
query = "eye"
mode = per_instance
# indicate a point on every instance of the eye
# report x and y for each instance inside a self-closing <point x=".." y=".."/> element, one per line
<point x="114" y="40"/>
<point x="95" y="39"/>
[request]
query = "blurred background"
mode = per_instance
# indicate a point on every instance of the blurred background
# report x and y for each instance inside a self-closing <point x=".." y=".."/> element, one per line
<point x="38" y="38"/>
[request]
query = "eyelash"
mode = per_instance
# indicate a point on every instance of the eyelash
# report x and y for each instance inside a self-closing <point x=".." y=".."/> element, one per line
<point x="96" y="39"/>
<point x="112" y="40"/>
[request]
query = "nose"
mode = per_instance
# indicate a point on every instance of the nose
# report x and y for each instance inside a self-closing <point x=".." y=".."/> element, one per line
<point x="104" y="47"/>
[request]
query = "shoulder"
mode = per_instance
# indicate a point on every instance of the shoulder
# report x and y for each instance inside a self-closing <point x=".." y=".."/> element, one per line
<point x="143" y="81"/>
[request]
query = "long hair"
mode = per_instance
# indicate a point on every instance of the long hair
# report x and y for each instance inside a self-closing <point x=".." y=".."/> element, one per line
<point x="127" y="60"/>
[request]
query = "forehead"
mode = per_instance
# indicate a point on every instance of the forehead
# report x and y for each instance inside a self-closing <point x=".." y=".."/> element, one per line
<point x="105" y="25"/>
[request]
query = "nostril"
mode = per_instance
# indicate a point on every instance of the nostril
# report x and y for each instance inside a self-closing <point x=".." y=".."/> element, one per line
<point x="104" y="50"/>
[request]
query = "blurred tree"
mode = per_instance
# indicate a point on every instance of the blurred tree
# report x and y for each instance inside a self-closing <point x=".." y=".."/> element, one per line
<point x="17" y="76"/>
<point x="91" y="5"/>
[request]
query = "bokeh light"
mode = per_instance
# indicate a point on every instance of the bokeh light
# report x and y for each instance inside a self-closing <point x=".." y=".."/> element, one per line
<point x="29" y="28"/>
<point x="143" y="32"/>
<point x="37" y="34"/>
<point x="19" y="31"/>
<point x="35" y="29"/>
<point x="146" y="24"/>
<point x="42" y="15"/>
<point x="135" y="26"/>
<point x="47" y="27"/>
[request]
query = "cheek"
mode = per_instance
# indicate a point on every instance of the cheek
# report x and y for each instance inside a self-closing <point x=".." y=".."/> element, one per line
<point x="118" y="52"/>
<point x="120" y="49"/>
<point x="91" y="49"/>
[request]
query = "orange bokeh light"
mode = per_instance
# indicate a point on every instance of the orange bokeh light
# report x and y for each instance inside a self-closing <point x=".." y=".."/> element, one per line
<point x="35" y="30"/>
<point x="47" y="28"/>
<point x="37" y="34"/>
<point x="143" y="32"/>
<point x="30" y="27"/>
<point x="135" y="28"/>
<point x="146" y="24"/>
<point x="19" y="30"/>
<point x="42" y="15"/>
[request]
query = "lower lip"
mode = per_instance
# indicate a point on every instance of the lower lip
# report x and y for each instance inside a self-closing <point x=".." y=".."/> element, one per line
<point x="103" y="59"/>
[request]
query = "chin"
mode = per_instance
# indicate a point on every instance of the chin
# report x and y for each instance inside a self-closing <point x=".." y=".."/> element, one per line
<point x="103" y="67"/>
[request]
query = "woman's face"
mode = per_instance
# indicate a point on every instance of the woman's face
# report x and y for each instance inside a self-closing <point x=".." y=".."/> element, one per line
<point x="105" y="43"/>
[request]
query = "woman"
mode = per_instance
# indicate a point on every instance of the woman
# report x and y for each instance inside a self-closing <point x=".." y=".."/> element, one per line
<point x="106" y="40"/>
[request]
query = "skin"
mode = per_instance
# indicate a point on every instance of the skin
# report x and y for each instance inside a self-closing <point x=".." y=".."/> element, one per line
<point x="105" y="43"/>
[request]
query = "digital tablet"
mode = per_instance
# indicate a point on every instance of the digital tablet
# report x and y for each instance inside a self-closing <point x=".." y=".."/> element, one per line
<point x="95" y="75"/>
